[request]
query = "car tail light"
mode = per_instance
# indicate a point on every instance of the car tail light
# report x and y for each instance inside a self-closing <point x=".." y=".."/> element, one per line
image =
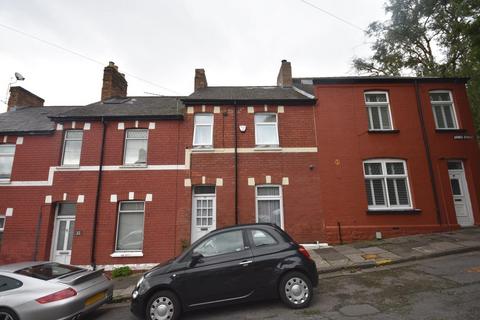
<point x="304" y="251"/>
<point x="60" y="295"/>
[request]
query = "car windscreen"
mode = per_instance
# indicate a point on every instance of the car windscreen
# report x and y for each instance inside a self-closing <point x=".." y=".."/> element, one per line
<point x="48" y="271"/>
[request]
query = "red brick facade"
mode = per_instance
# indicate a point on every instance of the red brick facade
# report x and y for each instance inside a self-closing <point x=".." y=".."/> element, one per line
<point x="319" y="166"/>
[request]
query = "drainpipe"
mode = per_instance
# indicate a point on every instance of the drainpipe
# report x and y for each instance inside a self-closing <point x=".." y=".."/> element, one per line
<point x="427" y="151"/>
<point x="236" y="160"/>
<point x="97" y="198"/>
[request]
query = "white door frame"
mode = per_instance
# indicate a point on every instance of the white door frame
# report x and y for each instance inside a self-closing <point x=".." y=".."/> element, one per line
<point x="460" y="175"/>
<point x="58" y="219"/>
<point x="195" y="233"/>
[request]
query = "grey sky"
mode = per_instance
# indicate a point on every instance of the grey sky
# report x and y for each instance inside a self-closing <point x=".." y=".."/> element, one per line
<point x="237" y="42"/>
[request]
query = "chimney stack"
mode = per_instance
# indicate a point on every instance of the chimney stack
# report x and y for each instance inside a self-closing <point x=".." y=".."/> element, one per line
<point x="284" y="78"/>
<point x="114" y="83"/>
<point x="20" y="97"/>
<point x="200" y="79"/>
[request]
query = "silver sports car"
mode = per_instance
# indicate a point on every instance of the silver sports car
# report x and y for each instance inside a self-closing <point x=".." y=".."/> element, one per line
<point x="50" y="291"/>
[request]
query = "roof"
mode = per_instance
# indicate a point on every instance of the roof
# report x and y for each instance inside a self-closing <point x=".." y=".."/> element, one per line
<point x="157" y="107"/>
<point x="249" y="94"/>
<point x="374" y="79"/>
<point x="30" y="120"/>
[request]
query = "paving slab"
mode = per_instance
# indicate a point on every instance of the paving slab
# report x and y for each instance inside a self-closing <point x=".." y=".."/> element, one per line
<point x="346" y="249"/>
<point x="444" y="245"/>
<point x="355" y="257"/>
<point x="329" y="254"/>
<point x="373" y="250"/>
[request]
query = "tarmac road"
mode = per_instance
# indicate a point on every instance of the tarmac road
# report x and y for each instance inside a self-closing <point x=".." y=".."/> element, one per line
<point x="442" y="288"/>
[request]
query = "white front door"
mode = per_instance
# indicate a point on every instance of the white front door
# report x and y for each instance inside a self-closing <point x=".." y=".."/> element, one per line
<point x="63" y="233"/>
<point x="204" y="214"/>
<point x="461" y="199"/>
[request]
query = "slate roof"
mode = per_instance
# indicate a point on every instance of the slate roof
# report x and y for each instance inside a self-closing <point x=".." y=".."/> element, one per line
<point x="251" y="94"/>
<point x="30" y="120"/>
<point x="374" y="79"/>
<point x="158" y="107"/>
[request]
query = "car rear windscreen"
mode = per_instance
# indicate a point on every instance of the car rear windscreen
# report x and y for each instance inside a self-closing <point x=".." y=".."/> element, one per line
<point x="48" y="271"/>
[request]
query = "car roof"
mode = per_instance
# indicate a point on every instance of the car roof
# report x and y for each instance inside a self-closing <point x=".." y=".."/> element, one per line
<point x="20" y="265"/>
<point x="246" y="226"/>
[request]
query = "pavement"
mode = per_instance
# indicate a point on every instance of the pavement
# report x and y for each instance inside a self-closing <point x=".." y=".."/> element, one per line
<point x="365" y="254"/>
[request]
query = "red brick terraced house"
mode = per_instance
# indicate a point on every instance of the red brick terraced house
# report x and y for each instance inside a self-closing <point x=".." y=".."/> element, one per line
<point x="132" y="180"/>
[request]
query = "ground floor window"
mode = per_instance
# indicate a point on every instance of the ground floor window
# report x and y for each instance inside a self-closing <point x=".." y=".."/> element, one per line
<point x="130" y="226"/>
<point x="269" y="204"/>
<point x="386" y="183"/>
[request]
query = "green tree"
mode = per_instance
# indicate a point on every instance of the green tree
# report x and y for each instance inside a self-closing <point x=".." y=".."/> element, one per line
<point x="428" y="38"/>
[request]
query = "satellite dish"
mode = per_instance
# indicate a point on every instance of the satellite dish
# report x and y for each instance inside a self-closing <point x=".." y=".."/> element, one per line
<point x="19" y="77"/>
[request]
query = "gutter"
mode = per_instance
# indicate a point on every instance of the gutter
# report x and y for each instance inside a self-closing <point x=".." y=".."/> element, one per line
<point x="97" y="198"/>
<point x="427" y="151"/>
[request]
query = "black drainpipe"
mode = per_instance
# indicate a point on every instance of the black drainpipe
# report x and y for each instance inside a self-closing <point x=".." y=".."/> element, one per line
<point x="97" y="198"/>
<point x="236" y="160"/>
<point x="427" y="151"/>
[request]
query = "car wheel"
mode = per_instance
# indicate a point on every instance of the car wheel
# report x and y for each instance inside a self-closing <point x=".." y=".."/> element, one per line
<point x="163" y="305"/>
<point x="295" y="290"/>
<point x="6" y="314"/>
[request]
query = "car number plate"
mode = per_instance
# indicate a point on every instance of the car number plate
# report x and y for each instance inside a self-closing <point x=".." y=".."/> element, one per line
<point x="95" y="298"/>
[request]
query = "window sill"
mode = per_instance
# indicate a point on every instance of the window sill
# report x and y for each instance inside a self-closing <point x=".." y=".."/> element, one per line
<point x="384" y="131"/>
<point x="267" y="148"/>
<point x="126" y="254"/>
<point x="129" y="166"/>
<point x="450" y="130"/>
<point x="202" y="149"/>
<point x="406" y="211"/>
<point x="4" y="181"/>
<point x="67" y="167"/>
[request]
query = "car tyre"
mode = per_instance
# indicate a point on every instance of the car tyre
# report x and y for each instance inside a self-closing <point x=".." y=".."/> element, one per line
<point x="295" y="290"/>
<point x="7" y="314"/>
<point x="163" y="305"/>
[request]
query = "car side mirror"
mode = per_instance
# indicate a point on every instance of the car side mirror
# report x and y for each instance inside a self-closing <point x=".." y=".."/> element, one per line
<point x="196" y="257"/>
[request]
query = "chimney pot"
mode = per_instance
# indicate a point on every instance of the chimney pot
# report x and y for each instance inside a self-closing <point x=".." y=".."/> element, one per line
<point x="114" y="83"/>
<point x="200" y="79"/>
<point x="284" y="78"/>
<point x="20" y="97"/>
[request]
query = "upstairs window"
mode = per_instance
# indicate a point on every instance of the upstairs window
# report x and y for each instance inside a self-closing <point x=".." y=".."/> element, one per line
<point x="7" y="151"/>
<point x="136" y="146"/>
<point x="266" y="130"/>
<point x="203" y="130"/>
<point x="378" y="109"/>
<point x="386" y="182"/>
<point x="443" y="110"/>
<point x="72" y="148"/>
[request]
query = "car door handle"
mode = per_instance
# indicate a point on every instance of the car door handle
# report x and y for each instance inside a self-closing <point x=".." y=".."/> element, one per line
<point x="245" y="263"/>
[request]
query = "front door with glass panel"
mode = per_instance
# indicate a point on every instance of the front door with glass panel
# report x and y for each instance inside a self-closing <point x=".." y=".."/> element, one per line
<point x="461" y="199"/>
<point x="204" y="214"/>
<point x="63" y="232"/>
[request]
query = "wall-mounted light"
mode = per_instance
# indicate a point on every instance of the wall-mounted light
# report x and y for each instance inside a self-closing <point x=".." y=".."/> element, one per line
<point x="242" y="128"/>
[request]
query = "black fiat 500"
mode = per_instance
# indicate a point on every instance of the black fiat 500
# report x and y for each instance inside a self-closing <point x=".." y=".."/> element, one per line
<point x="235" y="264"/>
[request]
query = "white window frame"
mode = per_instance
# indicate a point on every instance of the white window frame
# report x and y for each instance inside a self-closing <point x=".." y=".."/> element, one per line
<point x="368" y="105"/>
<point x="279" y="197"/>
<point x="195" y="125"/>
<point x="118" y="224"/>
<point x="385" y="176"/>
<point x="452" y="107"/>
<point x="65" y="140"/>
<point x="11" y="155"/>
<point x="277" y="145"/>
<point x="125" y="148"/>
<point x="2" y="227"/>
